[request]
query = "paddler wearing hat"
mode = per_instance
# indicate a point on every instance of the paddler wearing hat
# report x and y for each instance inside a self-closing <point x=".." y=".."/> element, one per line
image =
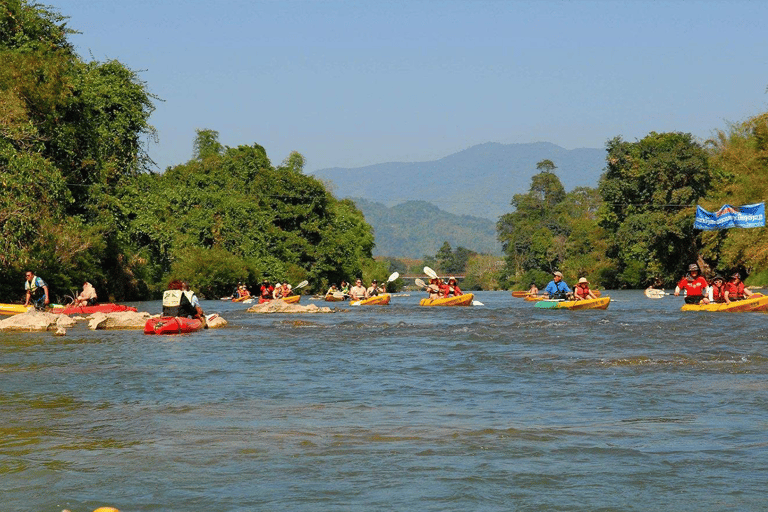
<point x="694" y="286"/>
<point x="581" y="291"/>
<point x="453" y="287"/>
<point x="557" y="288"/>
<point x="374" y="289"/>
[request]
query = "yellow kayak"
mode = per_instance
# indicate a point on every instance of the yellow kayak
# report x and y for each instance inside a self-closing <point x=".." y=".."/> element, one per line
<point x="14" y="309"/>
<point x="377" y="300"/>
<point x="599" y="303"/>
<point x="751" y="305"/>
<point x="460" y="300"/>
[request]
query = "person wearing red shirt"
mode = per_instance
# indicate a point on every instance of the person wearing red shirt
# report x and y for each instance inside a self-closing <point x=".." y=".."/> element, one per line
<point x="694" y="286"/>
<point x="453" y="287"/>
<point x="267" y="290"/>
<point x="735" y="289"/>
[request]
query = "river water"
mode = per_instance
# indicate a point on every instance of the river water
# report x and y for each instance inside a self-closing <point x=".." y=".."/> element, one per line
<point x="495" y="407"/>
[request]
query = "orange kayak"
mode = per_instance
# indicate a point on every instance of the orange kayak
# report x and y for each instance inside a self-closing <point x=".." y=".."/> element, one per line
<point x="460" y="300"/>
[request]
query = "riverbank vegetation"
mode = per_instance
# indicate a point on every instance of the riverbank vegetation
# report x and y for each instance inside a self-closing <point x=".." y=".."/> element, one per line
<point x="636" y="227"/>
<point x="81" y="202"/>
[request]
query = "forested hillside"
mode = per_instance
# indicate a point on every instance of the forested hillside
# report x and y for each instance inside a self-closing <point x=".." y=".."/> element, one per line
<point x="79" y="201"/>
<point x="417" y="228"/>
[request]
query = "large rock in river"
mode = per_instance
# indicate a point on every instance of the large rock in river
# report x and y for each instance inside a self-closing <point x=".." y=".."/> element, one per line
<point x="120" y="320"/>
<point x="279" y="306"/>
<point x="32" y="321"/>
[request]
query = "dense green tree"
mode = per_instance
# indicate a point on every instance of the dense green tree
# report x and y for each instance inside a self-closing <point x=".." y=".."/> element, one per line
<point x="740" y="154"/>
<point x="649" y="190"/>
<point x="70" y="133"/>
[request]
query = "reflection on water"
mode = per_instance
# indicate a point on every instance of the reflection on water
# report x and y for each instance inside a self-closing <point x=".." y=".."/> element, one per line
<point x="499" y="407"/>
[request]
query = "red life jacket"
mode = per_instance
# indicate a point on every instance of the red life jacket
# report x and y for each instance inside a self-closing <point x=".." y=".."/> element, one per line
<point x="718" y="293"/>
<point x="581" y="292"/>
<point x="735" y="291"/>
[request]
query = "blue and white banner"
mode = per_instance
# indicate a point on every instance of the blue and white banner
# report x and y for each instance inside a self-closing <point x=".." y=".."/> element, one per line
<point x="747" y="216"/>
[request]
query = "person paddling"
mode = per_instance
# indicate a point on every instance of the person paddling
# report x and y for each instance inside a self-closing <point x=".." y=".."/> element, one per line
<point x="557" y="288"/>
<point x="179" y="300"/>
<point x="581" y="291"/>
<point x="453" y="287"/>
<point x="717" y="291"/>
<point x="533" y="290"/>
<point x="358" y="292"/>
<point x="266" y="290"/>
<point x="735" y="289"/>
<point x="694" y="286"/>
<point x="374" y="289"/>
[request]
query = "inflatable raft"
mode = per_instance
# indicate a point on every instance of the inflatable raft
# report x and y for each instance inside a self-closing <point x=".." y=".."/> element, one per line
<point x="335" y="297"/>
<point x="378" y="300"/>
<point x="14" y="309"/>
<point x="292" y="299"/>
<point x="88" y="310"/>
<point x="751" y="305"/>
<point x="172" y="325"/>
<point x="599" y="303"/>
<point x="460" y="300"/>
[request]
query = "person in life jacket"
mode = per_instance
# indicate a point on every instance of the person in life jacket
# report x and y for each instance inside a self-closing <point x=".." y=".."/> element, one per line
<point x="581" y="291"/>
<point x="266" y="290"/>
<point x="735" y="289"/>
<point x="694" y="286"/>
<point x="717" y="290"/>
<point x="37" y="291"/>
<point x="557" y="288"/>
<point x="358" y="292"/>
<point x="178" y="300"/>
<point x="374" y="289"/>
<point x="453" y="287"/>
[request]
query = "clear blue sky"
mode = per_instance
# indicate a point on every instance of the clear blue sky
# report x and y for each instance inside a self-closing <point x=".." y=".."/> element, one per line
<point x="352" y="83"/>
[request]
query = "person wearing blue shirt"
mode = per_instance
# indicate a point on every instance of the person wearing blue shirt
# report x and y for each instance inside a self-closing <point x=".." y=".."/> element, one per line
<point x="557" y="288"/>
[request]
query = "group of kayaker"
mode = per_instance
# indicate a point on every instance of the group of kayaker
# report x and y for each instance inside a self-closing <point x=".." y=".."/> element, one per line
<point x="699" y="291"/>
<point x="557" y="288"/>
<point x="437" y="288"/>
<point x="267" y="291"/>
<point x="356" y="292"/>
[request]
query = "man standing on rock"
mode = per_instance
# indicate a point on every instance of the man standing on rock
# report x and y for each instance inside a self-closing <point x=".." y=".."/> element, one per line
<point x="37" y="291"/>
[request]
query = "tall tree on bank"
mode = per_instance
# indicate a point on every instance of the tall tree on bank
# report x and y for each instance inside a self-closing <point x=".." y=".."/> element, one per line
<point x="741" y="154"/>
<point x="650" y="189"/>
<point x="70" y="133"/>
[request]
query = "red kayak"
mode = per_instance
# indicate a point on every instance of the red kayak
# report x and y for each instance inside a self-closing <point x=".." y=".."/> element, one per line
<point x="87" y="310"/>
<point x="172" y="325"/>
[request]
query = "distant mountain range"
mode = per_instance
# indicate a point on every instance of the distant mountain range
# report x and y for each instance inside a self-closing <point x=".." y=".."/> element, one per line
<point x="415" y="229"/>
<point x="479" y="181"/>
